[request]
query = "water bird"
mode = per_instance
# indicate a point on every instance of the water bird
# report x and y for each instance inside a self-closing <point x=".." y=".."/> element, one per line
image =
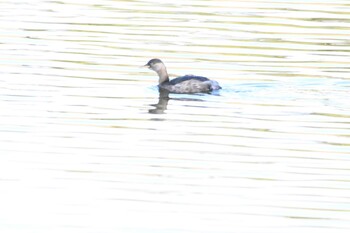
<point x="187" y="84"/>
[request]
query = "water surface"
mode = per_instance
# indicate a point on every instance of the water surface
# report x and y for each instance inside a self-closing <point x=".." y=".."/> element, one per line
<point x="88" y="144"/>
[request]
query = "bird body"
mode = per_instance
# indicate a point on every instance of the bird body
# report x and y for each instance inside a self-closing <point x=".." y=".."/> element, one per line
<point x="184" y="84"/>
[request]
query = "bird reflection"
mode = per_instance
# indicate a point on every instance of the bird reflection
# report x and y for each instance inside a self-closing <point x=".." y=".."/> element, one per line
<point x="162" y="104"/>
<point x="163" y="100"/>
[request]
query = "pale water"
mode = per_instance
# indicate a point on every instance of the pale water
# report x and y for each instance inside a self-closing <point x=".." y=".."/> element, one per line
<point x="88" y="146"/>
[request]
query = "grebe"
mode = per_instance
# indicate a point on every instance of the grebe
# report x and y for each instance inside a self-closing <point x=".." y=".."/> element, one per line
<point x="184" y="84"/>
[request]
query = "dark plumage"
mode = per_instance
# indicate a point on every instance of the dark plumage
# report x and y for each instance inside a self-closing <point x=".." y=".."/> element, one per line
<point x="187" y="77"/>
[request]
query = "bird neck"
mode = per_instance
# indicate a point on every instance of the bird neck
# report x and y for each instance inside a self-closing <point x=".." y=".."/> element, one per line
<point x="163" y="75"/>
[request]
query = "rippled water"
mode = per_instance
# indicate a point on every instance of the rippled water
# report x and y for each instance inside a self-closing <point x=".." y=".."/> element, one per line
<point x="89" y="145"/>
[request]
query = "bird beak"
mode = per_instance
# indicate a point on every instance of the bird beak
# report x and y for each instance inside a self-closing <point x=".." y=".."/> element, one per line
<point x="147" y="65"/>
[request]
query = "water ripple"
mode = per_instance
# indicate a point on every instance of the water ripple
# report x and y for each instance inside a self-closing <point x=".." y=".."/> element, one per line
<point x="87" y="142"/>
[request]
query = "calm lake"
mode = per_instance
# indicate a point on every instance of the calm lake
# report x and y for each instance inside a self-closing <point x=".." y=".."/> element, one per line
<point x="88" y="144"/>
